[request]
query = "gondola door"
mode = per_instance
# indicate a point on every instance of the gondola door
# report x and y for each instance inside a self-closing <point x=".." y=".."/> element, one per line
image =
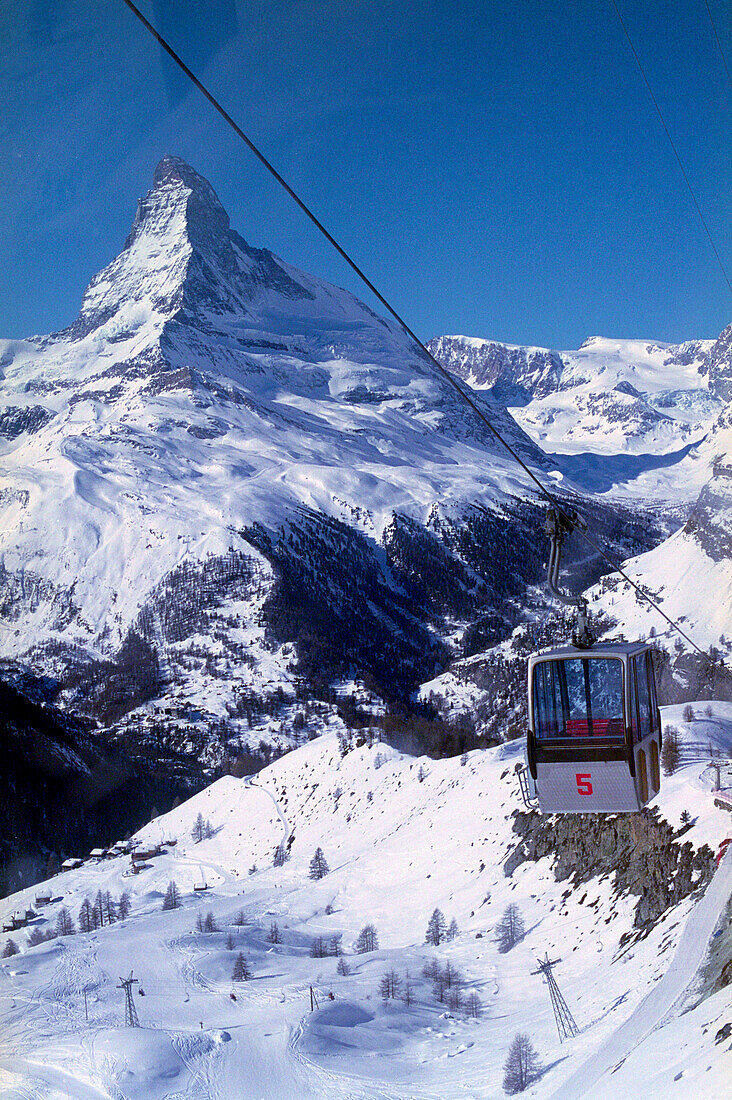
<point x="645" y="724"/>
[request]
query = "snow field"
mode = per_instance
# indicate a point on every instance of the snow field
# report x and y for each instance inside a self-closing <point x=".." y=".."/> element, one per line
<point x="416" y="844"/>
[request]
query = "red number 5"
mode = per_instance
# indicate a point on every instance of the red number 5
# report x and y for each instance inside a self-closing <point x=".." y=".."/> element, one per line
<point x="584" y="784"/>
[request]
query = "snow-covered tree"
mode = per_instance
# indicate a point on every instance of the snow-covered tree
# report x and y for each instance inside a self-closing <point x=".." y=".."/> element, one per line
<point x="452" y="931"/>
<point x="510" y="928"/>
<point x="11" y="948"/>
<point x="123" y="906"/>
<point x="670" y="750"/>
<point x="100" y="910"/>
<point x="86" y="917"/>
<point x="37" y="935"/>
<point x="390" y="985"/>
<point x="172" y="897"/>
<point x="521" y="1067"/>
<point x="241" y="971"/>
<point x="343" y="968"/>
<point x="240" y="918"/>
<point x="274" y="932"/>
<point x="436" y="928"/>
<point x="199" y="829"/>
<point x="280" y="856"/>
<point x="688" y="713"/>
<point x="368" y="940"/>
<point x="229" y="942"/>
<point x="64" y="922"/>
<point x="318" y="865"/>
<point x="407" y="991"/>
<point x="431" y="969"/>
<point x="209" y="924"/>
<point x="110" y="908"/>
<point x="473" y="1004"/>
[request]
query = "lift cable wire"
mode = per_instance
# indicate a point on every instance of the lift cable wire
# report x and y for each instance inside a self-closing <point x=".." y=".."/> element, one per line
<point x="721" y="51"/>
<point x="554" y="502"/>
<point x="672" y="144"/>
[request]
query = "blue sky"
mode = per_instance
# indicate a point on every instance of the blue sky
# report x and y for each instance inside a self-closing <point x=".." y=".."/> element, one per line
<point x="496" y="167"/>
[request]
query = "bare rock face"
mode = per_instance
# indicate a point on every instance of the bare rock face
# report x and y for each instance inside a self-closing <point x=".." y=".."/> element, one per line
<point x="639" y="849"/>
<point x="515" y="374"/>
<point x="719" y="365"/>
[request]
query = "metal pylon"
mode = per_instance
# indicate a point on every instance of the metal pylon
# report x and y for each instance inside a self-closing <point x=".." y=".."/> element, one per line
<point x="131" y="1018"/>
<point x="566" y="1025"/>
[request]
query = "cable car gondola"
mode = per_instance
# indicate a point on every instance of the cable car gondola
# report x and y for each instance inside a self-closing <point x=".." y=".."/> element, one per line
<point x="594" y="738"/>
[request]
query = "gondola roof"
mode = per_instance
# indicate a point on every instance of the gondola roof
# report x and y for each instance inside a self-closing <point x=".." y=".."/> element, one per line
<point x="605" y="649"/>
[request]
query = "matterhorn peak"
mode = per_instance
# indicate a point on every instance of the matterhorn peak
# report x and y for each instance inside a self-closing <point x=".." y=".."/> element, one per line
<point x="181" y="258"/>
<point x="180" y="198"/>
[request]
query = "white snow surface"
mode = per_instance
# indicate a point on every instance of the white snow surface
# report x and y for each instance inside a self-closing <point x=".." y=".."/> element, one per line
<point x="403" y="836"/>
<point x="628" y="414"/>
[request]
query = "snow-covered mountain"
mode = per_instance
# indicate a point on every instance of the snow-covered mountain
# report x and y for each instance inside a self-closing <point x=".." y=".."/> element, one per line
<point x="223" y="456"/>
<point x="691" y="572"/>
<point x="610" y="397"/>
<point x="627" y="905"/>
<point x="155" y="451"/>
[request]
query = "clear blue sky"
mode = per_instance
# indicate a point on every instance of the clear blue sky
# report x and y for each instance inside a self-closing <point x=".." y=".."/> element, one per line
<point x="496" y="166"/>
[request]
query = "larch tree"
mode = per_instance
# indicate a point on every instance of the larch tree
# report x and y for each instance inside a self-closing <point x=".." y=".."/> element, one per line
<point x="123" y="906"/>
<point x="199" y="829"/>
<point x="64" y="922"/>
<point x="521" y="1067"/>
<point x="367" y="940"/>
<point x="86" y="918"/>
<point x="241" y="971"/>
<point x="318" y="865"/>
<point x="436" y="929"/>
<point x="172" y="897"/>
<point x="510" y="928"/>
<point x="390" y="985"/>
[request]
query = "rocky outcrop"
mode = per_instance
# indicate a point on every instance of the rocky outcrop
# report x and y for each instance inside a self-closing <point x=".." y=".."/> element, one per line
<point x="641" y="850"/>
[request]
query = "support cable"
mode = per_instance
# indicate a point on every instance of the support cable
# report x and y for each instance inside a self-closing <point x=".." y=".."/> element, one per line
<point x="702" y="219"/>
<point x="719" y="44"/>
<point x="449" y="378"/>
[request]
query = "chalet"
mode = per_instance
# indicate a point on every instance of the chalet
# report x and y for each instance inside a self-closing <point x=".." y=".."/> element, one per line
<point x="98" y="854"/>
<point x="146" y="853"/>
<point x="43" y="898"/>
<point x="71" y="864"/>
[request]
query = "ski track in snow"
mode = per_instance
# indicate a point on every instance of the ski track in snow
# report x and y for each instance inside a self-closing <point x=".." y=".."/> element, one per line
<point x="413" y="845"/>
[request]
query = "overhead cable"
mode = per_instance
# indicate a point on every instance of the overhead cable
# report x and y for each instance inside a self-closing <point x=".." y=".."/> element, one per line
<point x="671" y="142"/>
<point x="719" y="44"/>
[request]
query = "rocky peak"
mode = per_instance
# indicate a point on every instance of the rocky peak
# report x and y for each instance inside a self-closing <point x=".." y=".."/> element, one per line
<point x="180" y="199"/>
<point x="719" y="365"/>
<point x="181" y="258"/>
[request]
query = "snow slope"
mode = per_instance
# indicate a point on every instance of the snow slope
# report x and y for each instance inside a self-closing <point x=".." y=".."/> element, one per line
<point x="401" y="836"/>
<point x="629" y="414"/>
